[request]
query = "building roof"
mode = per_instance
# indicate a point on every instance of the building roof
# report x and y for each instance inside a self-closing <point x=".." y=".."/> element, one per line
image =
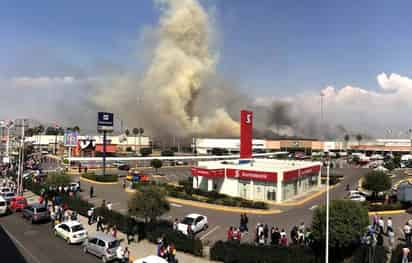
<point x="267" y="165"/>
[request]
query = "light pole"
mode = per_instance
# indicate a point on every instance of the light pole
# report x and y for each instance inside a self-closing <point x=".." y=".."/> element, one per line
<point x="327" y="209"/>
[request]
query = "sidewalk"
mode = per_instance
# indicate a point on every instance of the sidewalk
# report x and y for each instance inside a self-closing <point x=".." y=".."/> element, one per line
<point x="137" y="250"/>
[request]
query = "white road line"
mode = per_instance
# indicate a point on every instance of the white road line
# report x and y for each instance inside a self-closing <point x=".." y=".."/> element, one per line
<point x="176" y="205"/>
<point x="210" y="232"/>
<point x="21" y="245"/>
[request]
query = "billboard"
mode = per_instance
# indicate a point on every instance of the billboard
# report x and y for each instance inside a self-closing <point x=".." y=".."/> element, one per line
<point x="70" y="139"/>
<point x="105" y="121"/>
<point x="246" y="133"/>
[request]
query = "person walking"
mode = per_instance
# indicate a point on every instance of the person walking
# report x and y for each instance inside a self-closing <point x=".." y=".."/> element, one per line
<point x="266" y="233"/>
<point x="405" y="255"/>
<point x="99" y="226"/>
<point x="91" y="192"/>
<point x="381" y="225"/>
<point x="246" y="221"/>
<point x="90" y="216"/>
<point x="407" y="232"/>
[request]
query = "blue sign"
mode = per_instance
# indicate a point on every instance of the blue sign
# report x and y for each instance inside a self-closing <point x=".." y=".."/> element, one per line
<point x="70" y="139"/>
<point x="105" y="121"/>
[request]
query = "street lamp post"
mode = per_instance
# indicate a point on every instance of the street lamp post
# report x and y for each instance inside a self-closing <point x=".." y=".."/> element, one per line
<point x="327" y="209"/>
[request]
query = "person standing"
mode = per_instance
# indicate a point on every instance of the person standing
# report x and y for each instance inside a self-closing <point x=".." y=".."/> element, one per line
<point x="405" y="255"/>
<point x="90" y="216"/>
<point x="99" y="226"/>
<point x="126" y="255"/>
<point x="266" y="233"/>
<point x="91" y="192"/>
<point x="381" y="224"/>
<point x="246" y="221"/>
<point x="389" y="225"/>
<point x="407" y="232"/>
<point x="175" y="224"/>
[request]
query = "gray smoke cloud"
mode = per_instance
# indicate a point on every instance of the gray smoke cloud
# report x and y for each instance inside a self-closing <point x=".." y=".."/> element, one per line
<point x="166" y="99"/>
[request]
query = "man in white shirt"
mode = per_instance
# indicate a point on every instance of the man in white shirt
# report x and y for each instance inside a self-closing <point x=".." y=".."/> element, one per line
<point x="389" y="225"/>
<point x="381" y="224"/>
<point x="407" y="232"/>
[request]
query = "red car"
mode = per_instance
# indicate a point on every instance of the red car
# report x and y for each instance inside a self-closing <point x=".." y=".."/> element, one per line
<point x="18" y="203"/>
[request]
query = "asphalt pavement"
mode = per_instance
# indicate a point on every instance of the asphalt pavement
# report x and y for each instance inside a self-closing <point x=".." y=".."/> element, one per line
<point x="38" y="244"/>
<point x="220" y="221"/>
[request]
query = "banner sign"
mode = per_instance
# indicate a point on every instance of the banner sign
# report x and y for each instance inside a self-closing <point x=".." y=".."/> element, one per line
<point x="246" y="134"/>
<point x="105" y="121"/>
<point x="289" y="175"/>
<point x="70" y="139"/>
<point x="252" y="175"/>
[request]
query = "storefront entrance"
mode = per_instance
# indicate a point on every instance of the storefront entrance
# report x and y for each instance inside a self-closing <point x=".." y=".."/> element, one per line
<point x="244" y="189"/>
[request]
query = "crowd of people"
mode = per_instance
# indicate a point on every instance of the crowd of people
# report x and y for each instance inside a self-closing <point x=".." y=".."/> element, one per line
<point x="265" y="235"/>
<point x="166" y="250"/>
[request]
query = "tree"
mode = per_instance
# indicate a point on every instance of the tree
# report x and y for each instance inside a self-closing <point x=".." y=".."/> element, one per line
<point x="359" y="138"/>
<point x="156" y="163"/>
<point x="127" y="132"/>
<point x="148" y="202"/>
<point x="346" y="138"/>
<point x="348" y="222"/>
<point x="51" y="131"/>
<point x="76" y="129"/>
<point x="377" y="181"/>
<point x="57" y="179"/>
<point x="40" y="129"/>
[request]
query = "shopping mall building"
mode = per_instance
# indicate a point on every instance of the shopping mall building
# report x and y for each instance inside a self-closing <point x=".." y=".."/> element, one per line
<point x="253" y="178"/>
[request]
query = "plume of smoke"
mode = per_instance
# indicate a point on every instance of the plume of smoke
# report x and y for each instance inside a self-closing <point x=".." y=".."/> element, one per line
<point x="164" y="99"/>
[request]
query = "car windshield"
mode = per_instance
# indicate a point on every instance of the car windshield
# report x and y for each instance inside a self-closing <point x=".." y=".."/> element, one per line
<point x="77" y="228"/>
<point x="41" y="209"/>
<point x="114" y="244"/>
<point x="187" y="220"/>
<point x="9" y="194"/>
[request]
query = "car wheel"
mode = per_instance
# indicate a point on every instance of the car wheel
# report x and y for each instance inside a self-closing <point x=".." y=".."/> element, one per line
<point x="85" y="251"/>
<point x="104" y="259"/>
<point x="68" y="240"/>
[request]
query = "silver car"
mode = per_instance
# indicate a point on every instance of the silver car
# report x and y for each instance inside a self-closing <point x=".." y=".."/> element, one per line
<point x="36" y="213"/>
<point x="102" y="245"/>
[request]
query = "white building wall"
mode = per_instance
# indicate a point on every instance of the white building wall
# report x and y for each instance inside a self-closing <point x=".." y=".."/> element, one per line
<point x="230" y="187"/>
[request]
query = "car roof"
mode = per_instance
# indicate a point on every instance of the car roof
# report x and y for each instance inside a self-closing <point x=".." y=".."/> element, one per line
<point x="193" y="215"/>
<point x="37" y="205"/>
<point x="71" y="223"/>
<point x="150" y="259"/>
<point x="103" y="236"/>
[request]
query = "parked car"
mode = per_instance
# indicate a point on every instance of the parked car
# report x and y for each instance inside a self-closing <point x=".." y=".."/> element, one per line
<point x="9" y="196"/>
<point x="18" y="203"/>
<point x="102" y="245"/>
<point x="150" y="259"/>
<point x="36" y="213"/>
<point x="124" y="167"/>
<point x="196" y="222"/>
<point x="3" y="206"/>
<point x="74" y="187"/>
<point x="357" y="197"/>
<point x="4" y="190"/>
<point x="71" y="231"/>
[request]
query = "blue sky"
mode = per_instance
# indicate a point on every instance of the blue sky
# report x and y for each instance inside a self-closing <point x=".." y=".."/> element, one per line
<point x="269" y="47"/>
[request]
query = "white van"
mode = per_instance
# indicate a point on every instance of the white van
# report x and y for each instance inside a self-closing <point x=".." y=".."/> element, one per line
<point x="3" y="206"/>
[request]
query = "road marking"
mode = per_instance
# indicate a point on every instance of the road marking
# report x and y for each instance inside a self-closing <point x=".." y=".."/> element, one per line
<point x="21" y="245"/>
<point x="210" y="232"/>
<point x="176" y="205"/>
<point x="313" y="207"/>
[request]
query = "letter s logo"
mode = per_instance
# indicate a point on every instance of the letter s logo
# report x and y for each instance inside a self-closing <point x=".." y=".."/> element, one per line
<point x="248" y="118"/>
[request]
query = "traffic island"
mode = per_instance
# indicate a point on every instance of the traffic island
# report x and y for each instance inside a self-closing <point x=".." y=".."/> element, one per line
<point x="99" y="179"/>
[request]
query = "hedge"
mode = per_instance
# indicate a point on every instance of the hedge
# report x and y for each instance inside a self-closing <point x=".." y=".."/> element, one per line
<point x="231" y="252"/>
<point x="186" y="191"/>
<point x="100" y="178"/>
<point x="181" y="242"/>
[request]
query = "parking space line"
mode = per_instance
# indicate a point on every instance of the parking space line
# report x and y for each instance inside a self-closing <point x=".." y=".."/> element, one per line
<point x="210" y="232"/>
<point x="21" y="245"/>
<point x="176" y="205"/>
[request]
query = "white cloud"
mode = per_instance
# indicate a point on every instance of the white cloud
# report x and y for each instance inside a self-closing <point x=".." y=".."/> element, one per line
<point x="359" y="109"/>
<point x="43" y="82"/>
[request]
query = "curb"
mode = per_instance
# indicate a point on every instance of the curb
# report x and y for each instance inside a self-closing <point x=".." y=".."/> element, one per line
<point x="96" y="182"/>
<point x="387" y="212"/>
<point x="218" y="207"/>
<point x="306" y="199"/>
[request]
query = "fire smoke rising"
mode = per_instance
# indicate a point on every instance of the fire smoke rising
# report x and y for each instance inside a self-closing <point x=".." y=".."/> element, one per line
<point x="181" y="63"/>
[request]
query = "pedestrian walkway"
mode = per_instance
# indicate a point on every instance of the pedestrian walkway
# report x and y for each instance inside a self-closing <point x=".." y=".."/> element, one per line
<point x="137" y="250"/>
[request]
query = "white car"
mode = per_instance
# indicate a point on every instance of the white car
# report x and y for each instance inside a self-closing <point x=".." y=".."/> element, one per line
<point x="3" y="206"/>
<point x="71" y="231"/>
<point x="150" y="259"/>
<point x="357" y="198"/>
<point x="196" y="222"/>
<point x="4" y="190"/>
<point x="74" y="187"/>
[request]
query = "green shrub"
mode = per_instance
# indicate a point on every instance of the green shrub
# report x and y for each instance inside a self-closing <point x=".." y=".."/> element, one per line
<point x="100" y="178"/>
<point x="65" y="161"/>
<point x="231" y="252"/>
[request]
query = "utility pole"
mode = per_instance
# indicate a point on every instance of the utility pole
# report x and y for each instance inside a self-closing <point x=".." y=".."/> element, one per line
<point x="327" y="210"/>
<point x="104" y="153"/>
<point x="21" y="163"/>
